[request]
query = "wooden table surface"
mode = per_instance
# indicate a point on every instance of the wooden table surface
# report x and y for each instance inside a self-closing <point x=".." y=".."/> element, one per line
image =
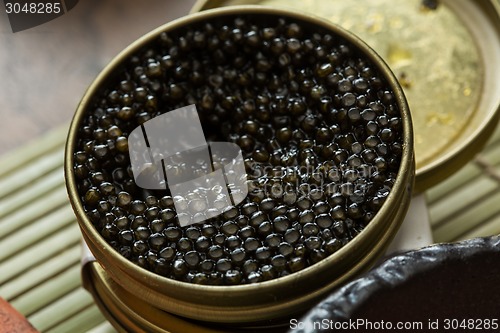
<point x="45" y="70"/>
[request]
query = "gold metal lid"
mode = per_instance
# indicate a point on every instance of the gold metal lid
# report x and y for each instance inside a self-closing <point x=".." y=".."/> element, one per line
<point x="446" y="55"/>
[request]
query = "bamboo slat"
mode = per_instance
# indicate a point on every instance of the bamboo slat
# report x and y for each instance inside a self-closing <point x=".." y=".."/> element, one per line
<point x="35" y="276"/>
<point x="38" y="188"/>
<point x="38" y="254"/>
<point x="68" y="305"/>
<point x="83" y="321"/>
<point x="48" y="292"/>
<point x="40" y="229"/>
<point x="21" y="218"/>
<point x="30" y="172"/>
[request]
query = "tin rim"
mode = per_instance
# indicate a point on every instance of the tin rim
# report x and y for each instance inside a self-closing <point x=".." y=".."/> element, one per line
<point x="455" y="158"/>
<point x="363" y="247"/>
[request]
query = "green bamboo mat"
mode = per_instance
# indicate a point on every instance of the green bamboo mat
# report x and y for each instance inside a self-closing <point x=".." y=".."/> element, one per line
<point x="40" y="239"/>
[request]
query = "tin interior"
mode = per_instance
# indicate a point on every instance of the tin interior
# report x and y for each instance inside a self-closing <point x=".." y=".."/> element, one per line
<point x="447" y="60"/>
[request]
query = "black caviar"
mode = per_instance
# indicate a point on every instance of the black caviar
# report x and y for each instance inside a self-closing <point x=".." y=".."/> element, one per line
<point x="319" y="128"/>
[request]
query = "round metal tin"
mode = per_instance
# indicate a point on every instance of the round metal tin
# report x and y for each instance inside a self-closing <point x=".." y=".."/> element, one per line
<point x="254" y="304"/>
<point x="446" y="55"/>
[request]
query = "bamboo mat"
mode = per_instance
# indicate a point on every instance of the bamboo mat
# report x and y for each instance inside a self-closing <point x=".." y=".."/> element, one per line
<point x="40" y="239"/>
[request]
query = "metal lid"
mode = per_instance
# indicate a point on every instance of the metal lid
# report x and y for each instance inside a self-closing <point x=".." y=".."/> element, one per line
<point x="446" y="55"/>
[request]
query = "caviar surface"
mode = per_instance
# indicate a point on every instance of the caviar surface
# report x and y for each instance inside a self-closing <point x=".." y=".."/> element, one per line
<point x="319" y="128"/>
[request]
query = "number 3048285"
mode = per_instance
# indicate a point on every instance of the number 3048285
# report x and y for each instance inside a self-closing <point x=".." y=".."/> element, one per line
<point x="33" y="8"/>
